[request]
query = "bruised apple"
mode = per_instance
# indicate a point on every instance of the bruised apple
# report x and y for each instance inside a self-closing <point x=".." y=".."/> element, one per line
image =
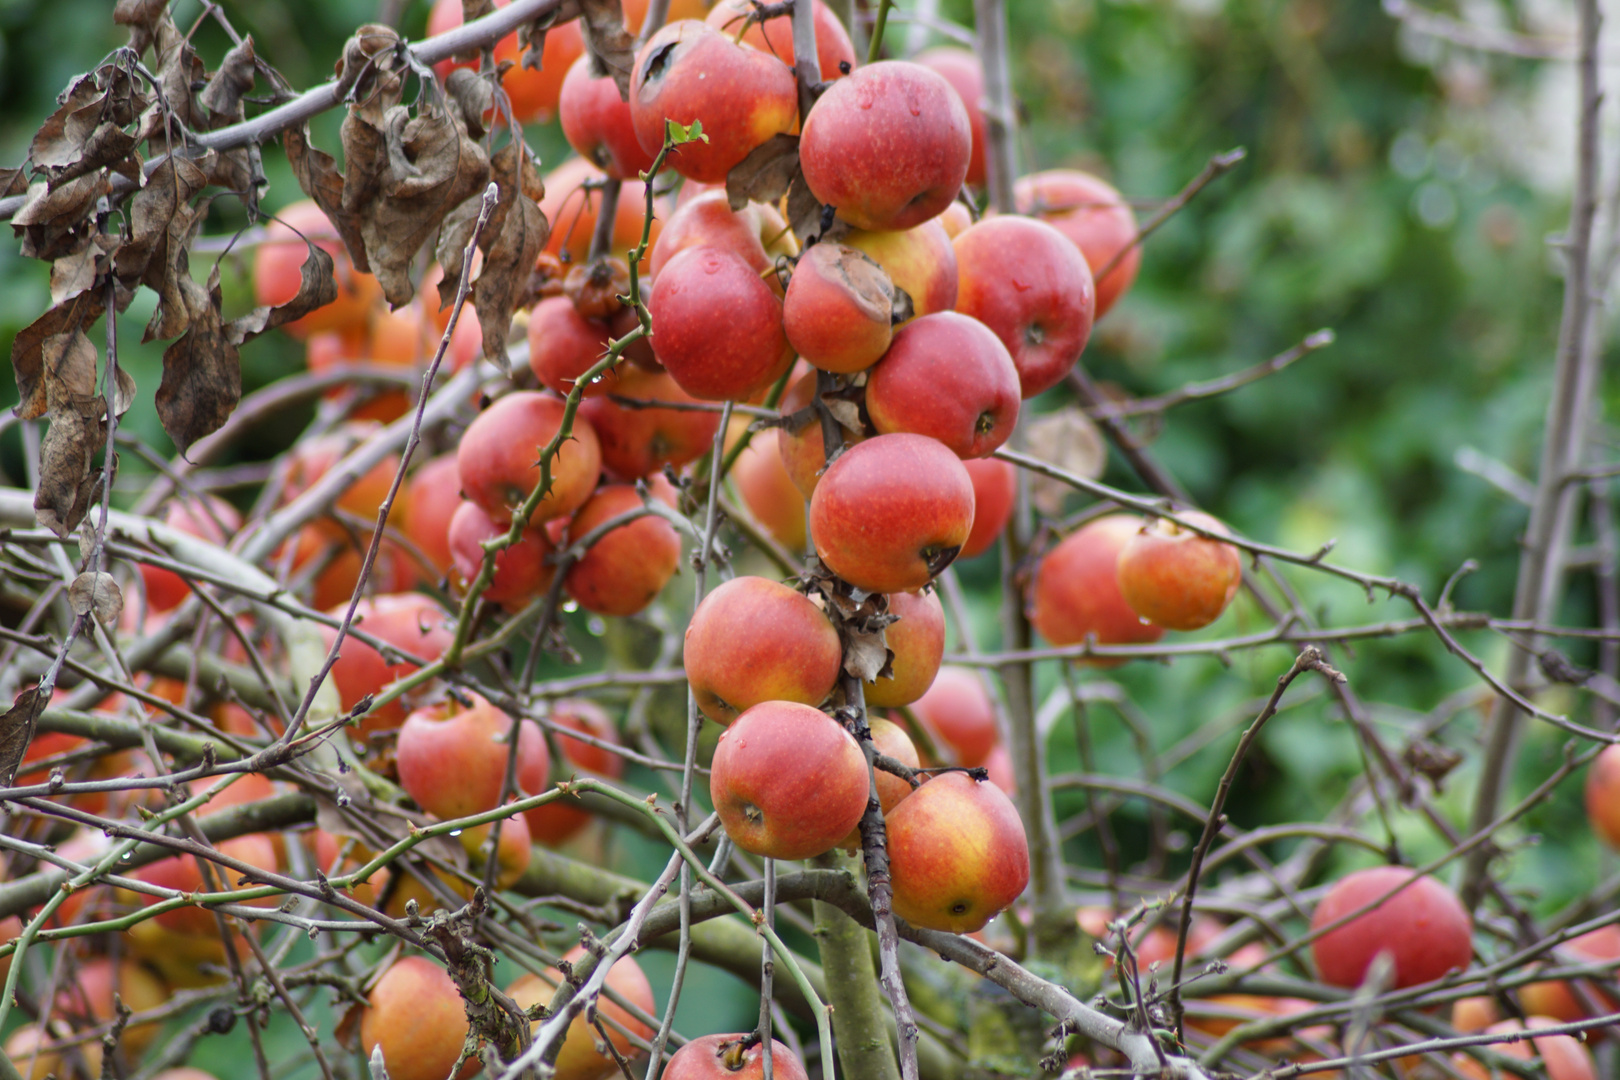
<point x="1176" y="578"/>
<point x="918" y="643"/>
<point x="838" y="311"/>
<point x="958" y="854"/>
<point x="892" y="512"/>
<point x="920" y="261"/>
<point x="946" y="376"/>
<point x="499" y="457"/>
<point x="754" y="640"/>
<point x="1076" y="594"/>
<point x="787" y="781"/>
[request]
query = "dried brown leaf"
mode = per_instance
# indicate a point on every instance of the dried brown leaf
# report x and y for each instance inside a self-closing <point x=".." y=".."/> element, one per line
<point x="180" y="71"/>
<point x="473" y="96"/>
<point x="1068" y="439"/>
<point x="86" y="131"/>
<point x="163" y="221"/>
<point x="317" y="287"/>
<point x="70" y="473"/>
<point x="17" y="731"/>
<point x="511" y="243"/>
<point x="202" y="374"/>
<point x="13" y="181"/>
<point x="532" y="37"/>
<point x="846" y="412"/>
<point x="97" y="595"/>
<point x="766" y="174"/>
<point x="28" y="352"/>
<point x="454" y="237"/>
<point x="58" y="221"/>
<point x="320" y="179"/>
<point x="372" y="60"/>
<point x="142" y="18"/>
<point x="227" y="86"/>
<point x="866" y="656"/>
<point x="607" y="42"/>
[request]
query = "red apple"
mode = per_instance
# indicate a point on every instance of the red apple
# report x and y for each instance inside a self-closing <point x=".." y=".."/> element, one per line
<point x="959" y="715"/>
<point x="995" y="485"/>
<point x="1175" y="578"/>
<point x="722" y="1057"/>
<point x="946" y="376"/>
<point x="452" y="759"/>
<point x="500" y="452"/>
<point x="958" y="854"/>
<point x="1603" y="795"/>
<point x="1026" y="282"/>
<point x="523" y="571"/>
<point x="756" y="233"/>
<point x="415" y="1014"/>
<point x="183" y="873"/>
<point x="640" y="441"/>
<point x="839" y="308"/>
<point x="1556" y="998"/>
<point x="212" y="519"/>
<point x="312" y="459"/>
<point x="563" y="345"/>
<point x="689" y="72"/>
<point x="775" y="36"/>
<point x="1563" y="1055"/>
<point x="890" y="740"/>
<point x="717" y="327"/>
<point x="999" y="766"/>
<point x="579" y="1058"/>
<point x="962" y="70"/>
<point x="596" y="122"/>
<point x="412" y="623"/>
<point x="888" y="146"/>
<point x="1094" y="216"/>
<point x="1076" y="594"/>
<point x="434" y="493"/>
<point x="918" y="644"/>
<point x="920" y="261"/>
<point x="628" y="567"/>
<point x="787" y="781"/>
<point x="753" y="640"/>
<point x="1423" y="927"/>
<point x="892" y="512"/>
<point x="556" y="822"/>
<point x="769" y="491"/>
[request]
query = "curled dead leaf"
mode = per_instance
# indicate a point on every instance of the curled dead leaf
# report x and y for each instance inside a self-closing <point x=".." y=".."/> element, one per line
<point x="607" y="42"/>
<point x="96" y="595"/>
<point x="17" y="731"/>
<point x="202" y="372"/>
<point x="511" y="242"/>
<point x="227" y="86"/>
<point x="766" y="174"/>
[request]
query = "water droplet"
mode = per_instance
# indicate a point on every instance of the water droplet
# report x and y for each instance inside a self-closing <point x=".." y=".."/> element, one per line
<point x="455" y="832"/>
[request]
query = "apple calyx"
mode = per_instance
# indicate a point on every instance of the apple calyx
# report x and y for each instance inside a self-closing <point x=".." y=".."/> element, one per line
<point x="938" y="558"/>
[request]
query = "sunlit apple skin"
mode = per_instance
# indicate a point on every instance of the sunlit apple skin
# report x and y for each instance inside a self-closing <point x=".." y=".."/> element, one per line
<point x="753" y="640"/>
<point x="435" y="492"/>
<point x="803" y="451"/>
<point x="1027" y="283"/>
<point x="775" y="36"/>
<point x="891" y="740"/>
<point x="452" y="760"/>
<point x="995" y="485"/>
<point x="958" y="712"/>
<point x="563" y="345"/>
<point x="770" y="493"/>
<point x="1076" y="593"/>
<point x="579" y="1058"/>
<point x="1603" y="795"/>
<point x="597" y="124"/>
<point x="1095" y="218"/>
<point x="756" y="233"/>
<point x="1556" y="998"/>
<point x="1564" y="1055"/>
<point x="918" y="643"/>
<point x="946" y="376"/>
<point x="711" y="1057"/>
<point x="957" y="853"/>
<point x="278" y="266"/>
<point x="717" y="327"/>
<point x="1175" y="578"/>
<point x="416" y="1015"/>
<point x="571" y="209"/>
<point x="962" y="70"/>
<point x="787" y="781"/>
<point x="499" y="454"/>
<point x="1424" y="928"/>
<point x="920" y="261"/>
<point x="690" y="72"/>
<point x="214" y="521"/>
<point x="888" y="146"/>
<point x="627" y="568"/>
<point x="522" y="571"/>
<point x="892" y="512"/>
<point x="554" y="823"/>
<point x="410" y="622"/>
<point x="838" y="309"/>
<point x="637" y="442"/>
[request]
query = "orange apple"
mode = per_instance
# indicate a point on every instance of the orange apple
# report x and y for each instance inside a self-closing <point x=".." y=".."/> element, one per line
<point x="958" y="854"/>
<point x="754" y="640"/>
<point x="1175" y="578"/>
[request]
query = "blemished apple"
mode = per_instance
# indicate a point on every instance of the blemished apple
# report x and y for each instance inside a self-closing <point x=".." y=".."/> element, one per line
<point x="920" y="261"/>
<point x="995" y="487"/>
<point x="769" y="491"/>
<point x="892" y="512"/>
<point x="839" y="308"/>
<point x="1603" y="795"/>
<point x="523" y="571"/>
<point x="412" y="623"/>
<point x="435" y="492"/>
<point x="689" y="72"/>
<point x="637" y="442"/>
<point x="918" y="644"/>
<point x="888" y="146"/>
<point x="1076" y="593"/>
<point x="958" y="854"/>
<point x="717" y="327"/>
<point x="452" y="758"/>
<point x="1095" y="218"/>
<point x="563" y="345"/>
<point x="597" y="124"/>
<point x="949" y="377"/>
<point x="1029" y="284"/>
<point x="788" y="781"/>
<point x="723" y="1057"/>
<point x="1565" y="1057"/>
<point x="756" y="233"/>
<point x="415" y="1014"/>
<point x="753" y="640"/>
<point x="1176" y="578"/>
<point x="555" y="823"/>
<point x="960" y="715"/>
<point x="962" y="70"/>
<point x="1423" y="927"/>
<point x="775" y="36"/>
<point x="625" y="570"/>
<point x="579" y="1058"/>
<point x="499" y="455"/>
<point x="802" y="449"/>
